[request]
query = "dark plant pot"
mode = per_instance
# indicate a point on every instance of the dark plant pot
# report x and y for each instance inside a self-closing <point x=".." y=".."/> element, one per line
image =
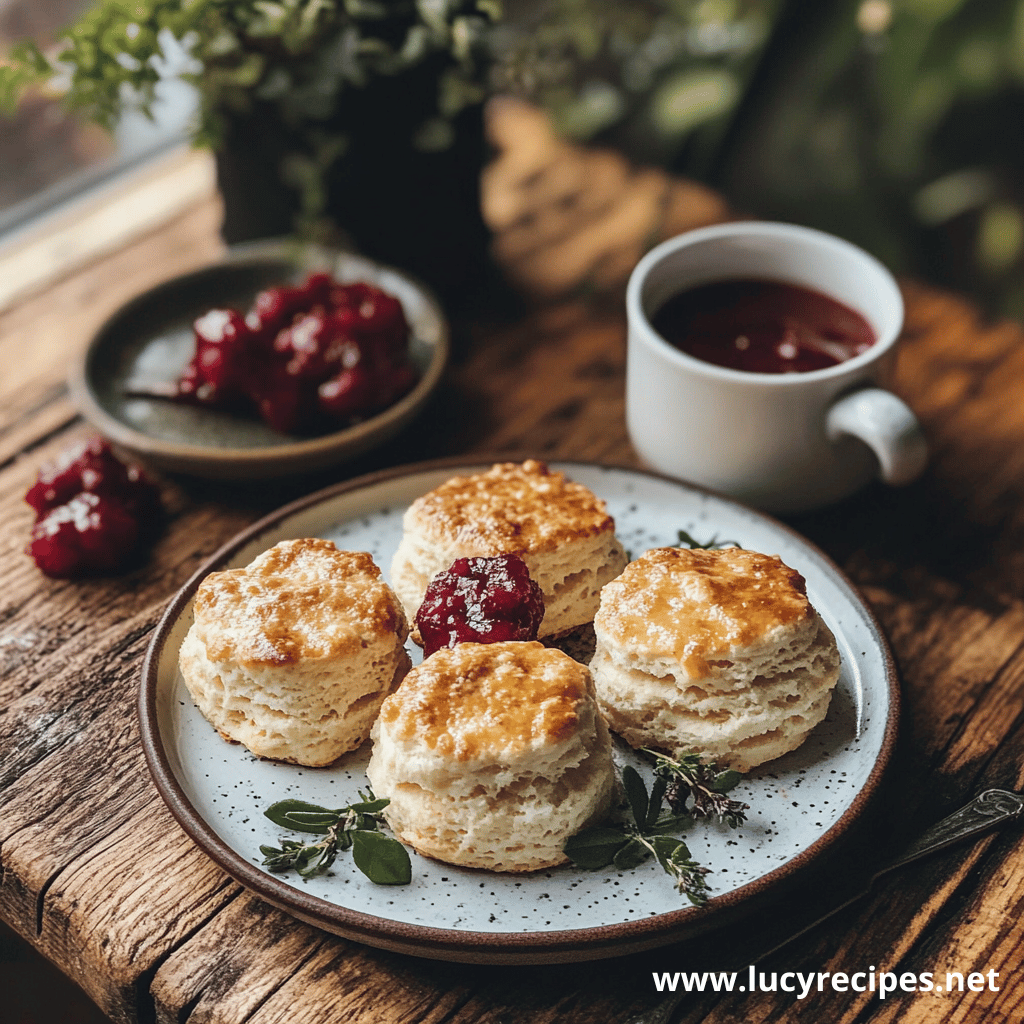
<point x="416" y="210"/>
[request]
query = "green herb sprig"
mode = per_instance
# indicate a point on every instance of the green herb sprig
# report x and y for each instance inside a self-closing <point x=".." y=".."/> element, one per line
<point x="302" y="54"/>
<point x="697" y="787"/>
<point x="628" y="844"/>
<point x="687" y="540"/>
<point x="382" y="859"/>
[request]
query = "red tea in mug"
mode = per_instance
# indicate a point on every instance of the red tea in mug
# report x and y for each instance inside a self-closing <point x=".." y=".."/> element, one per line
<point x="763" y="326"/>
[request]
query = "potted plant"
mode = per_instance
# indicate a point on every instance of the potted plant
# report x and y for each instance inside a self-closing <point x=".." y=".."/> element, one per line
<point x="863" y="117"/>
<point x="358" y="114"/>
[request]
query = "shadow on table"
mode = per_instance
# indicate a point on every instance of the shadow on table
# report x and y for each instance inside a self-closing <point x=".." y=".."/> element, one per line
<point x="36" y="992"/>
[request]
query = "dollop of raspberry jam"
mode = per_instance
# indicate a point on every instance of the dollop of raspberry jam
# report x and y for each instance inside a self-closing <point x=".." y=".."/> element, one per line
<point x="306" y="359"/>
<point x="480" y="600"/>
<point x="92" y="512"/>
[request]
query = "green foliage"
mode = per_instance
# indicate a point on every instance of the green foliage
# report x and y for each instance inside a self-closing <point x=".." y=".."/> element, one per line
<point x="305" y="63"/>
<point x="656" y="74"/>
<point x="304" y="56"/>
<point x="894" y="123"/>
<point x="697" y="787"/>
<point x="26" y="66"/>
<point x="382" y="859"/>
<point x="889" y="122"/>
<point x="627" y="844"/>
<point x="686" y="540"/>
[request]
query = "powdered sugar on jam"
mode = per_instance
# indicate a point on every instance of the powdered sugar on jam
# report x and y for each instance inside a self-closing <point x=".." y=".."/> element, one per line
<point x="92" y="512"/>
<point x="304" y="358"/>
<point x="480" y="600"/>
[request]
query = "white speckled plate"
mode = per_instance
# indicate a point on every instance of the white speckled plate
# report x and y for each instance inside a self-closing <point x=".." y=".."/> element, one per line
<point x="800" y="804"/>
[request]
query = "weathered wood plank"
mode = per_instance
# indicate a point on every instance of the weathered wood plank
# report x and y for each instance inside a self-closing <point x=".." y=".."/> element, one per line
<point x="116" y="911"/>
<point x="578" y="408"/>
<point x="216" y="978"/>
<point x="220" y="981"/>
<point x="92" y="858"/>
<point x="22" y="436"/>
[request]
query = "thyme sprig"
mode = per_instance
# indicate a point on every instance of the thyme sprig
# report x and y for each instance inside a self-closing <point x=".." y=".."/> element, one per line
<point x="382" y="859"/>
<point x="687" y="540"/>
<point x="698" y="787"/>
<point x="628" y="844"/>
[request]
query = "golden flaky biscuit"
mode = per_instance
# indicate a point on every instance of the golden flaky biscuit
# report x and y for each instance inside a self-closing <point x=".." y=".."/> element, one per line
<point x="294" y="654"/>
<point x="493" y="755"/>
<point x="558" y="528"/>
<point x="713" y="652"/>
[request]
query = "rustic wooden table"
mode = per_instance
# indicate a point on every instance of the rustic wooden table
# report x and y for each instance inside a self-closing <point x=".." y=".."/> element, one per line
<point x="99" y="877"/>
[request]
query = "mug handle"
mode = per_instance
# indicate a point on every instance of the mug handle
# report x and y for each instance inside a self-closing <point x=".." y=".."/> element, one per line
<point x="887" y="426"/>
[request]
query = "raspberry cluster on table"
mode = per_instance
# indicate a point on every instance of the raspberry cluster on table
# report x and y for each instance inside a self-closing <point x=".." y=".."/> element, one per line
<point x="94" y="513"/>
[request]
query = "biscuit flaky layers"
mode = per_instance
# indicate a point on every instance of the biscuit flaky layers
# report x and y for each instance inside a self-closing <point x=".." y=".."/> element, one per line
<point x="294" y="654"/>
<point x="713" y="652"/>
<point x="557" y="527"/>
<point x="493" y="755"/>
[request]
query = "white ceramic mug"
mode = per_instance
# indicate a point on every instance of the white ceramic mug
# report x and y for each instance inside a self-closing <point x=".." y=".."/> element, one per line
<point x="784" y="442"/>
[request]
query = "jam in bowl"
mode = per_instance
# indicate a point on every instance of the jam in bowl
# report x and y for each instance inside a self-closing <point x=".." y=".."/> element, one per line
<point x="763" y="326"/>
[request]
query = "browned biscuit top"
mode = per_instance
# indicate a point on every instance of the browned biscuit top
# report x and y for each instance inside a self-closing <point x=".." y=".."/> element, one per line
<point x="475" y="701"/>
<point x="697" y="607"/>
<point x="301" y="599"/>
<point x="509" y="509"/>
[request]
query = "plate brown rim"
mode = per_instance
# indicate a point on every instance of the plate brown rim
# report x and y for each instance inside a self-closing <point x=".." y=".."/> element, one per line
<point x="514" y="948"/>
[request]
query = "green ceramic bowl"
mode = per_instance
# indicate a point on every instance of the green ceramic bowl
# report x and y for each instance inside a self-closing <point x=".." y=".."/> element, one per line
<point x="148" y="342"/>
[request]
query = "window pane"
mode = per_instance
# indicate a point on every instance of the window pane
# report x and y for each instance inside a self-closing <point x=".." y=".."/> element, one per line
<point x="48" y="155"/>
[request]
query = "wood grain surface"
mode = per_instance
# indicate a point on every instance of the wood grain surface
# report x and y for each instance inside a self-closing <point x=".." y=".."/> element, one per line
<point x="98" y="876"/>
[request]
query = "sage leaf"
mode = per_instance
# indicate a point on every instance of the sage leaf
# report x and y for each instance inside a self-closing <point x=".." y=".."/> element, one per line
<point x="631" y="855"/>
<point x="666" y="847"/>
<point x="627" y="845"/>
<point x="370" y="806"/>
<point x="726" y="780"/>
<point x="382" y="859"/>
<point x="670" y="823"/>
<point x="301" y="816"/>
<point x="654" y="805"/>
<point x="636" y="794"/>
<point x="685" y="539"/>
<point x="595" y="847"/>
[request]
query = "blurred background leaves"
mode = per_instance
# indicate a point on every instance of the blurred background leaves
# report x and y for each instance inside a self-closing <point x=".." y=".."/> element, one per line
<point x="898" y="124"/>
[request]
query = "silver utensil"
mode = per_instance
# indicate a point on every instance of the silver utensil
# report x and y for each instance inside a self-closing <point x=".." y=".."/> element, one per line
<point x="988" y="810"/>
